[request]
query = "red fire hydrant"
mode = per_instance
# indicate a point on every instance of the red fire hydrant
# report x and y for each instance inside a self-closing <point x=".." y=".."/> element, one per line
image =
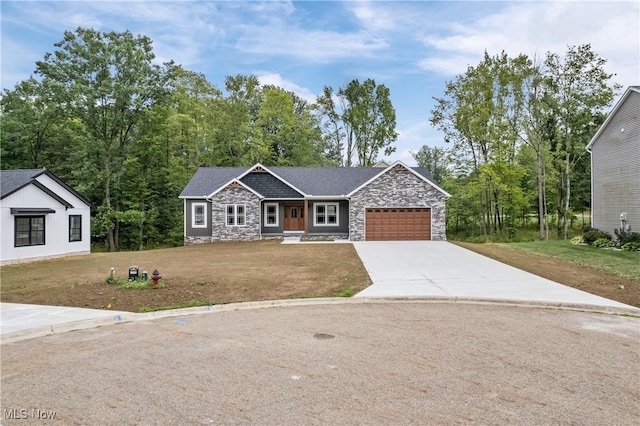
<point x="155" y="277"/>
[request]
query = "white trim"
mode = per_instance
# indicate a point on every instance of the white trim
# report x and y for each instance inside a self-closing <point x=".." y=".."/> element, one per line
<point x="235" y="180"/>
<point x="186" y="197"/>
<point x="251" y="169"/>
<point x="615" y="109"/>
<point x="326" y="214"/>
<point x="396" y="163"/>
<point x="193" y="215"/>
<point x="235" y="214"/>
<point x="184" y="222"/>
<point x="277" y="223"/>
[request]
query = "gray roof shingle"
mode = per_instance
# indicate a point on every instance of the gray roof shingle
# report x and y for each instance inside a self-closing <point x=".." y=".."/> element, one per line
<point x="13" y="180"/>
<point x="312" y="181"/>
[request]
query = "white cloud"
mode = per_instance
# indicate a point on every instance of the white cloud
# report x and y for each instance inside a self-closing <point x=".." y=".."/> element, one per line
<point x="612" y="28"/>
<point x="371" y="15"/>
<point x="276" y="79"/>
<point x="313" y="46"/>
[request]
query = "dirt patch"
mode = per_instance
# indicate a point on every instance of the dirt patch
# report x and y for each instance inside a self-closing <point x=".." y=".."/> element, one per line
<point x="209" y="273"/>
<point x="564" y="272"/>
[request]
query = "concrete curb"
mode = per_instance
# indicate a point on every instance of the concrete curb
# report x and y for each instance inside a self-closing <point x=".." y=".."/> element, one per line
<point x="135" y="317"/>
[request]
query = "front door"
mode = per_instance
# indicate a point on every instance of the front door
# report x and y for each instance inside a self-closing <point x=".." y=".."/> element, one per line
<point x="293" y="218"/>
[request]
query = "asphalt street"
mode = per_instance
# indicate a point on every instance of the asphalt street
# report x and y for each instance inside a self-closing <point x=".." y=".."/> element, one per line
<point x="352" y="363"/>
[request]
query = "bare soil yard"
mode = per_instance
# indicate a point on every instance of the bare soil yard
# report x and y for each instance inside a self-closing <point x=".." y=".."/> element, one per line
<point x="564" y="272"/>
<point x="198" y="274"/>
<point x="251" y="271"/>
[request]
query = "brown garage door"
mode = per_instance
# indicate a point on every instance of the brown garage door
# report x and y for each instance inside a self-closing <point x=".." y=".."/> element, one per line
<point x="398" y="224"/>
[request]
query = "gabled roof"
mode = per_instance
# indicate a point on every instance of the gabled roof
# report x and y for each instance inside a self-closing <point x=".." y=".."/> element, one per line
<point x="14" y="180"/>
<point x="615" y="109"/>
<point x="293" y="182"/>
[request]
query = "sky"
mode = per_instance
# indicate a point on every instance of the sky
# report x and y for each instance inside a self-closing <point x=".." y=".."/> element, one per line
<point x="412" y="47"/>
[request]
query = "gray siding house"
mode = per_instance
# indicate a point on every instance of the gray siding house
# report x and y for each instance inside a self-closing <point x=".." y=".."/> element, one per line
<point x="615" y="166"/>
<point x="389" y="202"/>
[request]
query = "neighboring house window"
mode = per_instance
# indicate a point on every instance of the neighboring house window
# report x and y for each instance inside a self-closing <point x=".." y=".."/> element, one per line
<point x="29" y="231"/>
<point x="75" y="228"/>
<point x="326" y="214"/>
<point x="271" y="214"/>
<point x="199" y="215"/>
<point x="235" y="215"/>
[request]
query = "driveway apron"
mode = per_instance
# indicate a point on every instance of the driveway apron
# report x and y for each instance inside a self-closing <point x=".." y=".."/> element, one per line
<point x="438" y="269"/>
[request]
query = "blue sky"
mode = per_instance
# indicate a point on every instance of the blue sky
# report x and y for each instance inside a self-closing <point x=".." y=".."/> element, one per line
<point x="412" y="47"/>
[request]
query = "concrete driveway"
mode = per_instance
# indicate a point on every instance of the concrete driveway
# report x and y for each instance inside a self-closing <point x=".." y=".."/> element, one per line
<point x="435" y="269"/>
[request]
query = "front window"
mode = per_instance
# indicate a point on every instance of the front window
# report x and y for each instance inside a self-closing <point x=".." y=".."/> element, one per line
<point x="29" y="231"/>
<point x="199" y="215"/>
<point x="271" y="214"/>
<point x="75" y="228"/>
<point x="235" y="215"/>
<point x="326" y="214"/>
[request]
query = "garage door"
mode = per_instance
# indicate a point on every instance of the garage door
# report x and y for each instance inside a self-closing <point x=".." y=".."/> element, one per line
<point x="398" y="224"/>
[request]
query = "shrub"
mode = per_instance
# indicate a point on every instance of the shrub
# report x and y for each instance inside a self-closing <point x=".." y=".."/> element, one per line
<point x="577" y="240"/>
<point x="631" y="246"/>
<point x="624" y="237"/>
<point x="593" y="234"/>
<point x="603" y="243"/>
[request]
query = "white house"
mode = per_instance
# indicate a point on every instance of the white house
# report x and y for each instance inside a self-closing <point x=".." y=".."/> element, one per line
<point x="41" y="217"/>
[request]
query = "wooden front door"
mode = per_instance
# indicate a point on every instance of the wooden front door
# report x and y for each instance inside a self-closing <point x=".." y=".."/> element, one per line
<point x="293" y="218"/>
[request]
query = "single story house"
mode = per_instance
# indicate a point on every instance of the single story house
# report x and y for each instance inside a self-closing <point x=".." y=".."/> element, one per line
<point x="393" y="202"/>
<point x="41" y="217"/>
<point x="615" y="167"/>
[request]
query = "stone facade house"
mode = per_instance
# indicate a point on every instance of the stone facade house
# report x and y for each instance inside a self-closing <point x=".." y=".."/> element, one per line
<point x="615" y="166"/>
<point x="42" y="217"/>
<point x="388" y="202"/>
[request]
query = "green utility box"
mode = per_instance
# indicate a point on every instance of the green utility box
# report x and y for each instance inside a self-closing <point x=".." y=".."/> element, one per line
<point x="134" y="273"/>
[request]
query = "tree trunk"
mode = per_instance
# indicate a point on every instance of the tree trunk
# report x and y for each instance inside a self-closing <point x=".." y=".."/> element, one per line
<point x="567" y="196"/>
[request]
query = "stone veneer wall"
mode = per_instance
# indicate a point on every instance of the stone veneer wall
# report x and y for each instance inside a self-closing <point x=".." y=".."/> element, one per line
<point x="233" y="195"/>
<point x="397" y="188"/>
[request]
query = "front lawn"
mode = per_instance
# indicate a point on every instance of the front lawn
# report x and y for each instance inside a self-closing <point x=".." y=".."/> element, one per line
<point x="192" y="275"/>
<point x="622" y="263"/>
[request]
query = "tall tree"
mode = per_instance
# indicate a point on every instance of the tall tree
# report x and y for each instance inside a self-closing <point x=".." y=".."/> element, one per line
<point x="579" y="90"/>
<point x="364" y="116"/>
<point x="109" y="82"/>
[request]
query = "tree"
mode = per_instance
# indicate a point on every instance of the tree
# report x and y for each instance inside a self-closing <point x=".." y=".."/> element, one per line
<point x="366" y="119"/>
<point x="434" y="159"/>
<point x="478" y="115"/>
<point x="578" y="90"/>
<point x="109" y="82"/>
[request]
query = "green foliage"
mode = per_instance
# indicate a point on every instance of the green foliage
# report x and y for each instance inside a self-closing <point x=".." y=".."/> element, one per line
<point x="577" y="240"/>
<point x="434" y="159"/>
<point x="366" y="121"/>
<point x="624" y="237"/>
<point x="631" y="246"/>
<point x="121" y="283"/>
<point x="591" y="235"/>
<point x="603" y="243"/>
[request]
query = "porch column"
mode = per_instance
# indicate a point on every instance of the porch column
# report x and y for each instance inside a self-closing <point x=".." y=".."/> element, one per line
<point x="306" y="216"/>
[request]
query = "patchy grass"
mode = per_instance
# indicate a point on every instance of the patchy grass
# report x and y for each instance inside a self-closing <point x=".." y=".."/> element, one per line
<point x="185" y="304"/>
<point x="224" y="272"/>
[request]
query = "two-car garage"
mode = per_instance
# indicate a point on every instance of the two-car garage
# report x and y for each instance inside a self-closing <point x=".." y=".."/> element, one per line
<point x="390" y="224"/>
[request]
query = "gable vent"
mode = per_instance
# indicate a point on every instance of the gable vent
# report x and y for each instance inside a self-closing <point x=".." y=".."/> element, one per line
<point x="259" y="170"/>
<point x="234" y="185"/>
<point x="399" y="168"/>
